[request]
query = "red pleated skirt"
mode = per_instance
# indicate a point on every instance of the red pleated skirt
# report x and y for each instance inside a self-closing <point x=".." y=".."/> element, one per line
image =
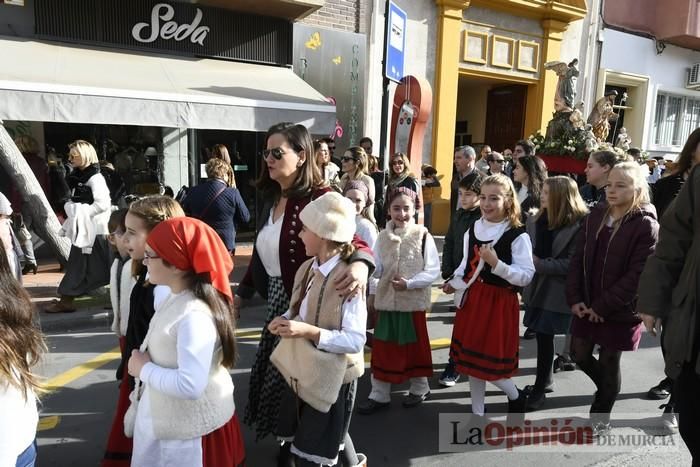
<point x="118" y="450"/>
<point x="224" y="447"/>
<point x="396" y="363"/>
<point x="485" y="339"/>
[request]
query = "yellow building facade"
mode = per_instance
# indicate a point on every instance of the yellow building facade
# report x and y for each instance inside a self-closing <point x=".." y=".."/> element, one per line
<point x="490" y="85"/>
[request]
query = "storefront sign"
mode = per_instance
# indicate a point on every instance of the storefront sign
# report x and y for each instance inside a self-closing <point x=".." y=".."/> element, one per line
<point x="169" y="29"/>
<point x="333" y="62"/>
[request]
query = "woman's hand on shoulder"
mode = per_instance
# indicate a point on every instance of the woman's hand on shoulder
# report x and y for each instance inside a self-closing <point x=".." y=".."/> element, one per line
<point x="353" y="281"/>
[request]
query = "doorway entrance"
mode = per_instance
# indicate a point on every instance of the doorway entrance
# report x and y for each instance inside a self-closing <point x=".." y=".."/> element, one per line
<point x="505" y="116"/>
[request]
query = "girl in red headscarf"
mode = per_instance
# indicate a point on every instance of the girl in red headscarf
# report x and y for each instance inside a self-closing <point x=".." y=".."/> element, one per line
<point x="185" y="414"/>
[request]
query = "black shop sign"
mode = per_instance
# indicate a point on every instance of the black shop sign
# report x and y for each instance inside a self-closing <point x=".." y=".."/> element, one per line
<point x="170" y="27"/>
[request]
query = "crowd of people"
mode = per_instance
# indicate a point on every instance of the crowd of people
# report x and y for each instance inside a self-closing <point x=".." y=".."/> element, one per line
<point x="340" y="251"/>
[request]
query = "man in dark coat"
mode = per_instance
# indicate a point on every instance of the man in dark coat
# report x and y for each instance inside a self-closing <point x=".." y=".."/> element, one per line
<point x="668" y="290"/>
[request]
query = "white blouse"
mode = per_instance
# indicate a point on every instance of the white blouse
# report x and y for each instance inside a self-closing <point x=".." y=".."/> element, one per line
<point x="196" y="339"/>
<point x="268" y="245"/>
<point x="18" y="421"/>
<point x="366" y="230"/>
<point x="519" y="272"/>
<point x="353" y="333"/>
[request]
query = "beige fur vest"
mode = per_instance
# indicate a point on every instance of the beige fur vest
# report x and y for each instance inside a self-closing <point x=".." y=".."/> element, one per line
<point x="400" y="252"/>
<point x="324" y="307"/>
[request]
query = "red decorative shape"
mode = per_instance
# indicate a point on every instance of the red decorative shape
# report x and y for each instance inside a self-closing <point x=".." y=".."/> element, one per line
<point x="564" y="164"/>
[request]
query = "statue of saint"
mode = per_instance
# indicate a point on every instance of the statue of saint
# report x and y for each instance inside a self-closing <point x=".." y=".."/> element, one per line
<point x="602" y="113"/>
<point x="623" y="141"/>
<point x="566" y="86"/>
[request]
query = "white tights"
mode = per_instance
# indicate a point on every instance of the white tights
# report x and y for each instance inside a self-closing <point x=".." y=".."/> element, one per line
<point x="478" y="391"/>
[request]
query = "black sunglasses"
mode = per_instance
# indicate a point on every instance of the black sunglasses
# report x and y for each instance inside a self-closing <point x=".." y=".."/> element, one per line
<point x="277" y="153"/>
<point x="348" y="159"/>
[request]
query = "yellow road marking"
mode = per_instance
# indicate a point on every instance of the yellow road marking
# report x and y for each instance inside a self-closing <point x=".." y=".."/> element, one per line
<point x="248" y="334"/>
<point x="48" y="423"/>
<point x="81" y="370"/>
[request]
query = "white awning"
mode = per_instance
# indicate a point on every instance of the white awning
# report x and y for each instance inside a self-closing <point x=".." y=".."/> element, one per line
<point x="50" y="82"/>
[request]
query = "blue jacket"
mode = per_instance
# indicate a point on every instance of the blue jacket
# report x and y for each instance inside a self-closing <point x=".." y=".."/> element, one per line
<point x="222" y="213"/>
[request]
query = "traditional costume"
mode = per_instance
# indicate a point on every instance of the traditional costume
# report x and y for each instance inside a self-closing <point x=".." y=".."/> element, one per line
<point x="186" y="413"/>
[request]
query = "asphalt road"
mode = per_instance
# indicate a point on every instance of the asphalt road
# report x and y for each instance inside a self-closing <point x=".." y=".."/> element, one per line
<point x="76" y="417"/>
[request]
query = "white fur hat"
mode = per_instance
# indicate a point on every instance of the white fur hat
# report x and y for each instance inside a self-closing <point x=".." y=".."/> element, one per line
<point x="330" y="216"/>
<point x="5" y="207"/>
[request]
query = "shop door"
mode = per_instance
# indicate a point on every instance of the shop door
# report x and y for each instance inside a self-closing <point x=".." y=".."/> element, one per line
<point x="505" y="116"/>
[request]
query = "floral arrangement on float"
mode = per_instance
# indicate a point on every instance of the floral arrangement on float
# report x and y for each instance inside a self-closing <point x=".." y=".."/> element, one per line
<point x="570" y="139"/>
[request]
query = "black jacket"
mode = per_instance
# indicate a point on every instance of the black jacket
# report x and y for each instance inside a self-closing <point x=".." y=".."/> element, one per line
<point x="665" y="190"/>
<point x="592" y="195"/>
<point x="453" y="251"/>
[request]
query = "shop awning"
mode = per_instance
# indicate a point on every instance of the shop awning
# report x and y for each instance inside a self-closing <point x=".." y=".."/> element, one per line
<point x="51" y="82"/>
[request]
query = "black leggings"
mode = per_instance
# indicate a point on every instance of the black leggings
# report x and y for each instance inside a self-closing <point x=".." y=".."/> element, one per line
<point x="545" y="360"/>
<point x="688" y="408"/>
<point x="603" y="371"/>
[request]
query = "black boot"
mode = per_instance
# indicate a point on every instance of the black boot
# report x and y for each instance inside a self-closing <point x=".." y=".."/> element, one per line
<point x="516" y="410"/>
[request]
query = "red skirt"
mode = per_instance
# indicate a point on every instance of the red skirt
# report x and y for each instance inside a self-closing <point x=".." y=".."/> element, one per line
<point x="485" y="336"/>
<point x="118" y="450"/>
<point x="395" y="363"/>
<point x="224" y="446"/>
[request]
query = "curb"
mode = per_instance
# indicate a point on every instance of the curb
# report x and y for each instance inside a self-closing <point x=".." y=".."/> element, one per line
<point x="80" y="319"/>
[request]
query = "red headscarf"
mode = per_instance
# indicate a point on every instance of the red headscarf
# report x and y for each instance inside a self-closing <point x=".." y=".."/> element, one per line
<point x="191" y="245"/>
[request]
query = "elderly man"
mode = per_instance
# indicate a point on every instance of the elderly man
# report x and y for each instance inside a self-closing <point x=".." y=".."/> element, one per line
<point x="465" y="159"/>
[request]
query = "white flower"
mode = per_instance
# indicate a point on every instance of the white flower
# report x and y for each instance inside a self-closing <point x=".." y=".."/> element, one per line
<point x="570" y="142"/>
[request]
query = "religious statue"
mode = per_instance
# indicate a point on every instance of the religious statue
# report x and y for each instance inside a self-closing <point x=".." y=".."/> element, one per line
<point x="623" y="141"/>
<point x="590" y="139"/>
<point x="602" y="113"/>
<point x="566" y="86"/>
<point x="576" y="117"/>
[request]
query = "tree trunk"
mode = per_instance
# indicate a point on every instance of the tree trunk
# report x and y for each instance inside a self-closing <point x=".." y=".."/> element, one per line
<point x="44" y="220"/>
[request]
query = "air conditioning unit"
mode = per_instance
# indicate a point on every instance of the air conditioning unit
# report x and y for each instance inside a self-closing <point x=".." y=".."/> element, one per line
<point x="694" y="77"/>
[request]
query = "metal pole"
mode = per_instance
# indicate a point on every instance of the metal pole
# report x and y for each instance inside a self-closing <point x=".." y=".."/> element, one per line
<point x="383" y="136"/>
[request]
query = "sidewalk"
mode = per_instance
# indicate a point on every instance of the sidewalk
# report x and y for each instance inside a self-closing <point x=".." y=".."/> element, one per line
<point x="94" y="309"/>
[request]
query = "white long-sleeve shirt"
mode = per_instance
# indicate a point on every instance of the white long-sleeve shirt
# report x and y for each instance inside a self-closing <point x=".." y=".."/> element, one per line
<point x="423" y="279"/>
<point x="521" y="270"/>
<point x="18" y="421"/>
<point x="352" y="334"/>
<point x="196" y="338"/>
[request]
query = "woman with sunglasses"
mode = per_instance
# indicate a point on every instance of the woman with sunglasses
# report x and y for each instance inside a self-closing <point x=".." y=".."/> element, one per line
<point x="290" y="180"/>
<point x="400" y="176"/>
<point x="354" y="166"/>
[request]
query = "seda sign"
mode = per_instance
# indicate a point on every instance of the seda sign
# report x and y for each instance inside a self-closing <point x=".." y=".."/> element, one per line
<point x="173" y="27"/>
<point x="169" y="29"/>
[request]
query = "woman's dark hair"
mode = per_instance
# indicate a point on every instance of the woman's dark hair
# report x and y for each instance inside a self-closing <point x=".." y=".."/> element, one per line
<point x="527" y="146"/>
<point x="219" y="151"/>
<point x="608" y="158"/>
<point x="21" y="341"/>
<point x="308" y="176"/>
<point x="116" y="220"/>
<point x="536" y="171"/>
<point x="222" y="313"/>
<point x="685" y="160"/>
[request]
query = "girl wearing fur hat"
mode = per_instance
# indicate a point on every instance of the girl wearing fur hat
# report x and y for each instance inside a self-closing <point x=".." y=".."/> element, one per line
<point x="185" y="414"/>
<point x="317" y="313"/>
<point x="407" y="263"/>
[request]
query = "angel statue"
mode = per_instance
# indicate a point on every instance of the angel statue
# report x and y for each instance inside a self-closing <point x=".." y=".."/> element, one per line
<point x="566" y="86"/>
<point x="602" y="113"/>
